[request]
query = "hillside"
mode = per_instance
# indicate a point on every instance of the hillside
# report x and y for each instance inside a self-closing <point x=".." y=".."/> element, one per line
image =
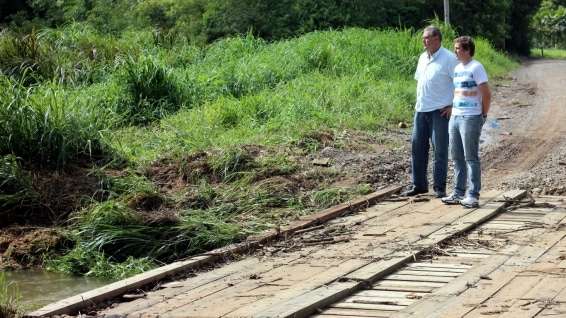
<point x="121" y="152"/>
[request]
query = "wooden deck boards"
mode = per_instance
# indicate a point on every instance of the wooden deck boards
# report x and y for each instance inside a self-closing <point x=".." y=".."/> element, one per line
<point x="522" y="274"/>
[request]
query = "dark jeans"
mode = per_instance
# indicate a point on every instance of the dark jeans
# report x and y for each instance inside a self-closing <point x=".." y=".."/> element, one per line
<point x="430" y="126"/>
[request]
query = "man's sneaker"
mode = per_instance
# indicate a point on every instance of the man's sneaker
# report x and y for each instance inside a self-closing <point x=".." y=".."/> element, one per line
<point x="452" y="199"/>
<point x="470" y="202"/>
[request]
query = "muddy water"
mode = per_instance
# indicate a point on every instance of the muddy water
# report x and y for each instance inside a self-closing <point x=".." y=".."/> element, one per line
<point x="38" y="288"/>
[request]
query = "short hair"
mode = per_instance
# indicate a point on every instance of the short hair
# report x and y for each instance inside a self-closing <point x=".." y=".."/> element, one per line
<point x="434" y="30"/>
<point x="466" y="43"/>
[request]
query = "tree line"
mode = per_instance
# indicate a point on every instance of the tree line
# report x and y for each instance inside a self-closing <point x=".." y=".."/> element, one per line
<point x="506" y="23"/>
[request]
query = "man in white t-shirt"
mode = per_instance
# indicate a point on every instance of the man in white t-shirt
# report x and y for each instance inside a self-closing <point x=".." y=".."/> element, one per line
<point x="472" y="98"/>
<point x="435" y="92"/>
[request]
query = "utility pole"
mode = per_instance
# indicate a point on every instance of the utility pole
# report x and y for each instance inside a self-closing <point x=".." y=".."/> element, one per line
<point x="447" y="12"/>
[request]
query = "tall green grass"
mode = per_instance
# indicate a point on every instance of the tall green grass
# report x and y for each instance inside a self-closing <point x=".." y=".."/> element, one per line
<point x="49" y="125"/>
<point x="10" y="299"/>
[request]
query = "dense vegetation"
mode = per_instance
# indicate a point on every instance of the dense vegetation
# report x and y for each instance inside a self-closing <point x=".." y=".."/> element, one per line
<point x="503" y="22"/>
<point x="169" y="147"/>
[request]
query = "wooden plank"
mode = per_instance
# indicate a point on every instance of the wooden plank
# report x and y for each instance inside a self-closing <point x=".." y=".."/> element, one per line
<point x="397" y="283"/>
<point x="75" y="303"/>
<point x="511" y="292"/>
<point x="428" y="273"/>
<point x="471" y="255"/>
<point x="506" y="282"/>
<point x="299" y="289"/>
<point x="301" y="276"/>
<point x="557" y="308"/>
<point x="535" y="299"/>
<point x="341" y="316"/>
<point x="378" y="300"/>
<point x="377" y="270"/>
<point x="455" y="271"/>
<point x="206" y="282"/>
<point x="415" y="289"/>
<point x="441" y="265"/>
<point x="366" y="306"/>
<point x="390" y="294"/>
<point x="318" y="298"/>
<point x="419" y="278"/>
<point x="443" y="295"/>
<point x="357" y="312"/>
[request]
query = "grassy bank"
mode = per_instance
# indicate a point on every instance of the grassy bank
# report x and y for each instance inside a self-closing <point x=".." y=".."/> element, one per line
<point x="548" y="53"/>
<point x="165" y="150"/>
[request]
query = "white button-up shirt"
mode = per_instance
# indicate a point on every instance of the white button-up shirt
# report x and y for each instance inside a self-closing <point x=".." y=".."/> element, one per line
<point x="434" y="75"/>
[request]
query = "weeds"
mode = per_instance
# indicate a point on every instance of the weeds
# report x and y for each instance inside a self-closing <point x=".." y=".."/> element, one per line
<point x="10" y="299"/>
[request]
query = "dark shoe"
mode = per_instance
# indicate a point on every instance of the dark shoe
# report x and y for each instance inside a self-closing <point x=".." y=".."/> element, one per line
<point x="412" y="192"/>
<point x="440" y="195"/>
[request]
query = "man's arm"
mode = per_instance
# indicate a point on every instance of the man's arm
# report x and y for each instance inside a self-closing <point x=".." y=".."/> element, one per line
<point x="486" y="98"/>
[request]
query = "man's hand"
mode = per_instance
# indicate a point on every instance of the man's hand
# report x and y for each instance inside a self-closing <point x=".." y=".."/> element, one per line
<point x="446" y="111"/>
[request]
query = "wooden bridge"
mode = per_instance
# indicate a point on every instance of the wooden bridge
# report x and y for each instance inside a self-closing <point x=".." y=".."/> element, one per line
<point x="396" y="258"/>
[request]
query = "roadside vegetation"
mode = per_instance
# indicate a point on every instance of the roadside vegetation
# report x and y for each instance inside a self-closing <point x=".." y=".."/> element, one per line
<point x="139" y="147"/>
<point x="549" y="53"/>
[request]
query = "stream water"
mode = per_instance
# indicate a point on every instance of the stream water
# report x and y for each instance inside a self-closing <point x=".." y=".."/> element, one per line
<point x="38" y="288"/>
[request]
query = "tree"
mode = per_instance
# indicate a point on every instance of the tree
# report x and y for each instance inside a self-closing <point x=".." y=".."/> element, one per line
<point x="549" y="25"/>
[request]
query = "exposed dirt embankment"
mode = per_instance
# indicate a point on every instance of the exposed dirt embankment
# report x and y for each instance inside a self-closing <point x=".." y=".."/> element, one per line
<point x="526" y="133"/>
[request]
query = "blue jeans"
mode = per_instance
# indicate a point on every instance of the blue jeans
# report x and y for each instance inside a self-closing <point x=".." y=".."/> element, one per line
<point x="465" y="134"/>
<point x="429" y="126"/>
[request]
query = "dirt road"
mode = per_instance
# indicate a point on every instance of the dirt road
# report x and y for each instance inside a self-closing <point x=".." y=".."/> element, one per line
<point x="526" y="131"/>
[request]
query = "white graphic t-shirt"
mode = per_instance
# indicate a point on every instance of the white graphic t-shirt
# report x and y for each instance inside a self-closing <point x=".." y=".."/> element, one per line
<point x="467" y="96"/>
